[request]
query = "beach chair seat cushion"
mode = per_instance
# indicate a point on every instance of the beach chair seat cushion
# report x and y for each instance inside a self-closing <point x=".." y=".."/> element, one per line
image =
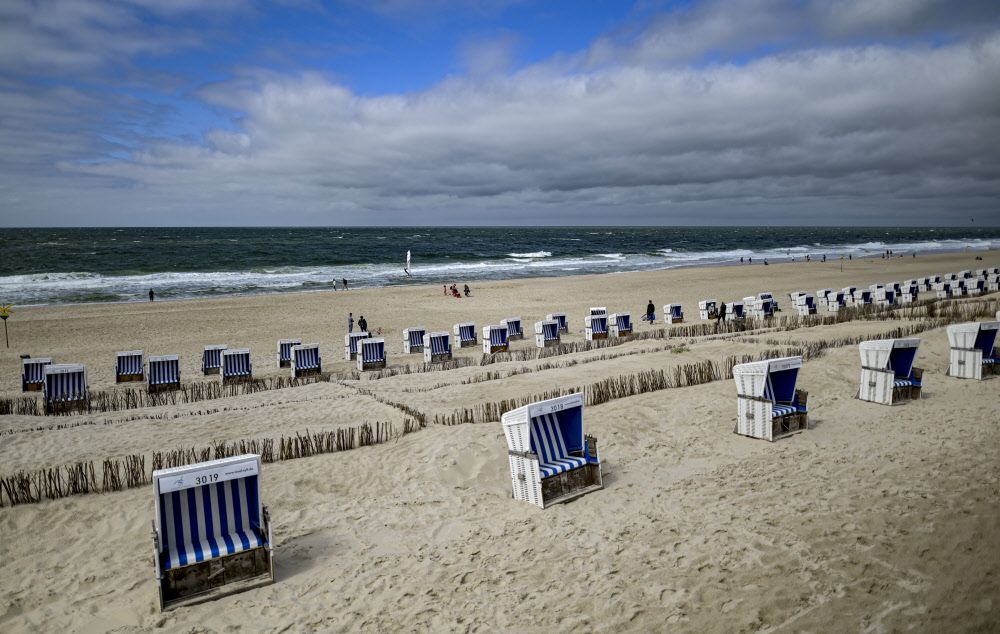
<point x="547" y="441"/>
<point x="783" y="410"/>
<point x="210" y="521"/>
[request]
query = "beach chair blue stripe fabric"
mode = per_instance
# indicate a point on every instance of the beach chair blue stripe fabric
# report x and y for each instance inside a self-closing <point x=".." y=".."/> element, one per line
<point x="210" y="521"/>
<point x="211" y="359"/>
<point x="547" y="441"/>
<point x="439" y="345"/>
<point x="782" y="410"/>
<point x="416" y="338"/>
<point x="550" y="332"/>
<point x="131" y="364"/>
<point x="164" y="372"/>
<point x="623" y="322"/>
<point x="372" y="352"/>
<point x="902" y="383"/>
<point x="675" y="311"/>
<point x="65" y="386"/>
<point x="467" y="333"/>
<point x="498" y="336"/>
<point x="307" y="359"/>
<point x="34" y="372"/>
<point x="237" y="365"/>
<point x="513" y="327"/>
<point x="563" y="323"/>
<point x="599" y="324"/>
<point x="285" y="349"/>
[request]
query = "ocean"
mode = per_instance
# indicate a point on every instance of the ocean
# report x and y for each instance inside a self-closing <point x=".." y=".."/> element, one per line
<point x="58" y="266"/>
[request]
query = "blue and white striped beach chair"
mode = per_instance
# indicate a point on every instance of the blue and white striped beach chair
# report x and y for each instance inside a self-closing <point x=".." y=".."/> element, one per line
<point x="495" y="339"/>
<point x="887" y="371"/>
<point x="33" y="373"/>
<point x="437" y="347"/>
<point x="351" y="340"/>
<point x="371" y="354"/>
<point x="285" y="351"/>
<point x="619" y="325"/>
<point x="513" y="326"/>
<point x="65" y="388"/>
<point x="130" y="366"/>
<point x="465" y="334"/>
<point x="768" y="405"/>
<point x="164" y="372"/>
<point x="212" y="533"/>
<point x="595" y="327"/>
<point x="559" y="318"/>
<point x="306" y="360"/>
<point x="236" y="365"/>
<point x="413" y="340"/>
<point x="211" y="359"/>
<point x="673" y="313"/>
<point x="551" y="460"/>
<point x="547" y="333"/>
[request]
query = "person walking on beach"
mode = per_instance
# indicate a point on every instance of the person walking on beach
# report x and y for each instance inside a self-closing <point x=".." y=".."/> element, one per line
<point x="466" y="289"/>
<point x="650" y="312"/>
<point x="151" y="295"/>
<point x="362" y="324"/>
<point x="334" y="284"/>
<point x="350" y="322"/>
<point x="722" y="314"/>
<point x="345" y="283"/>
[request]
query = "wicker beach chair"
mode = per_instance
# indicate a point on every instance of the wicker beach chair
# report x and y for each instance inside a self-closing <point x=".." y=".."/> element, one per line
<point x="973" y="349"/>
<point x="306" y="360"/>
<point x="551" y="460"/>
<point x="887" y="372"/>
<point x="767" y="403"/>
<point x="164" y="373"/>
<point x="65" y="388"/>
<point x="437" y="347"/>
<point x="211" y="532"/>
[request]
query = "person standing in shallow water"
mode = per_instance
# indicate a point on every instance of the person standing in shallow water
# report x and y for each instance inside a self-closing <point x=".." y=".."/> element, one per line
<point x="151" y="295"/>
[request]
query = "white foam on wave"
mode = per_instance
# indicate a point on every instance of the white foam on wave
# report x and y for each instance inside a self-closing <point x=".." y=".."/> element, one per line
<point x="533" y="254"/>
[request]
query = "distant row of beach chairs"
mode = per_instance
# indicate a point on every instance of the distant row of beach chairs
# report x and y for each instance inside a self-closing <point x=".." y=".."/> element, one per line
<point x="961" y="284"/>
<point x="65" y="386"/>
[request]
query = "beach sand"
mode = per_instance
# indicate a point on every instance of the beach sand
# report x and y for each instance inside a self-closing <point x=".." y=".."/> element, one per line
<point x="875" y="519"/>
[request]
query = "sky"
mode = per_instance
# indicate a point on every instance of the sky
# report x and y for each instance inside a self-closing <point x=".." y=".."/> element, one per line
<point x="499" y="112"/>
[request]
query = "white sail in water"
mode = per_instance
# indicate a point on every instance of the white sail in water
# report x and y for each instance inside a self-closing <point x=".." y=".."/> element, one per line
<point x="407" y="269"/>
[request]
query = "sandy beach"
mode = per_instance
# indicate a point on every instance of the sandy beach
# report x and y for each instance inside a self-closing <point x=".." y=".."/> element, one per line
<point x="875" y="519"/>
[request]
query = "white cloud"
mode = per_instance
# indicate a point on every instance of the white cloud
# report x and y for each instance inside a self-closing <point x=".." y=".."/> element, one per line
<point x="631" y="133"/>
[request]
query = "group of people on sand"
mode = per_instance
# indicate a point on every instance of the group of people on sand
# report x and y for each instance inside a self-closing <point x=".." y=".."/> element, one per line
<point x="453" y="289"/>
<point x="362" y="324"/>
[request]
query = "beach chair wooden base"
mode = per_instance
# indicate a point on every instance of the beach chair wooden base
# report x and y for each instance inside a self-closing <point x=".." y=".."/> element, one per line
<point x="208" y="371"/>
<point x="31" y="387"/>
<point x="467" y="343"/>
<point x="128" y="378"/>
<point x="66" y="407"/>
<point x="234" y="380"/>
<point x="299" y="373"/>
<point x="209" y="580"/>
<point x="515" y="337"/>
<point x="377" y="365"/>
<point x="285" y="363"/>
<point x="569" y="485"/>
<point x="495" y="349"/>
<point x="164" y="387"/>
<point x="597" y="335"/>
<point x="440" y="358"/>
